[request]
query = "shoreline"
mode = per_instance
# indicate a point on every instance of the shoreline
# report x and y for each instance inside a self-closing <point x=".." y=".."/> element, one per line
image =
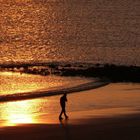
<point x="88" y="85"/>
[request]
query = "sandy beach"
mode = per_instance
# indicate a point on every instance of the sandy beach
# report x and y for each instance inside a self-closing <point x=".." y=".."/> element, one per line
<point x="115" y="115"/>
<point x="110" y="128"/>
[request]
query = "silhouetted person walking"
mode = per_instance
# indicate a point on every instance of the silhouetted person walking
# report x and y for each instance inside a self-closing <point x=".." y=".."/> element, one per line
<point x="63" y="101"/>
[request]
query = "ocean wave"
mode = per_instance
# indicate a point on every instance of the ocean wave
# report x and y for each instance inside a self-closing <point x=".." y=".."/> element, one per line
<point x="40" y="94"/>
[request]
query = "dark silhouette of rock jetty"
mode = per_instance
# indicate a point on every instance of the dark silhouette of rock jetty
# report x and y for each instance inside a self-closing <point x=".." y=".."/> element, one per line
<point x="114" y="73"/>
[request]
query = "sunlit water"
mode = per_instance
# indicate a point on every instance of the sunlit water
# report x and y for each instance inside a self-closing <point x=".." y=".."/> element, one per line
<point x="96" y="31"/>
<point x="14" y="82"/>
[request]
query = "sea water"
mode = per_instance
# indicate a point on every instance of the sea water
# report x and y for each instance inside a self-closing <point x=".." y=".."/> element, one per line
<point x="95" y="31"/>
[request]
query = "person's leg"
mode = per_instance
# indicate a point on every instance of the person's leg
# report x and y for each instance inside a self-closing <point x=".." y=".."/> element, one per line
<point x="65" y="114"/>
<point x="60" y="116"/>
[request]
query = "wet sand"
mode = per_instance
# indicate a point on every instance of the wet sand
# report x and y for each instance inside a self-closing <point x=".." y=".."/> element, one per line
<point x="122" y="127"/>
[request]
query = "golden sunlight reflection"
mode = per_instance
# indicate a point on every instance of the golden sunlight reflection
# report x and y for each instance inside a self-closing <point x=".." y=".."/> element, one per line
<point x="21" y="112"/>
<point x="6" y="73"/>
<point x="14" y="82"/>
<point x="37" y="111"/>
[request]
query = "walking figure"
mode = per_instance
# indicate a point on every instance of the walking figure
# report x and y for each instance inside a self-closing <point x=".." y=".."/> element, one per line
<point x="63" y="101"/>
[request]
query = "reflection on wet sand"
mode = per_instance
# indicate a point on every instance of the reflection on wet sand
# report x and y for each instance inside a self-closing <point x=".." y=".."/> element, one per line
<point x="18" y="113"/>
<point x="35" y="111"/>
